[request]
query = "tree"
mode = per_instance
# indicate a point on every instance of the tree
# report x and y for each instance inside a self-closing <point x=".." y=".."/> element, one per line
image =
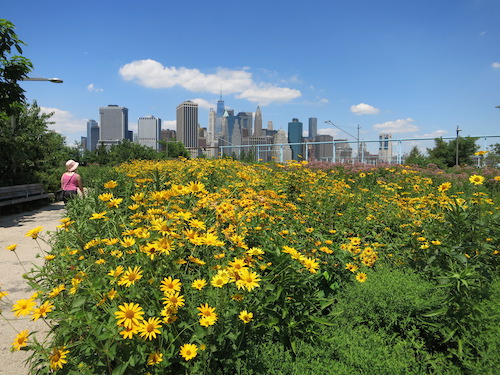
<point x="415" y="157"/>
<point x="444" y="153"/>
<point x="13" y="68"/>
<point x="31" y="152"/>
<point x="174" y="149"/>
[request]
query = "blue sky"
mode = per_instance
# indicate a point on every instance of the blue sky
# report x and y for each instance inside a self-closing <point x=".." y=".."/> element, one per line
<point x="409" y="68"/>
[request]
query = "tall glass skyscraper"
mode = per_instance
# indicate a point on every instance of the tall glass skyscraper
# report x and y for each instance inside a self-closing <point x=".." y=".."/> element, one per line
<point x="313" y="127"/>
<point x="295" y="129"/>
<point x="92" y="135"/>
<point x="257" y="131"/>
<point x="218" y="117"/>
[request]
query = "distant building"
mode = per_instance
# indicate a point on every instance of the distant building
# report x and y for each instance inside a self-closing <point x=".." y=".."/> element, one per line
<point x="148" y="131"/>
<point x="187" y="124"/>
<point x="258" y="123"/>
<point x="245" y="120"/>
<point x="218" y="117"/>
<point x="114" y="125"/>
<point x="313" y="127"/>
<point x="211" y="136"/>
<point x="343" y="150"/>
<point x="385" y="148"/>
<point x="83" y="143"/>
<point x="92" y="135"/>
<point x="324" y="151"/>
<point x="295" y="130"/>
<point x="281" y="152"/>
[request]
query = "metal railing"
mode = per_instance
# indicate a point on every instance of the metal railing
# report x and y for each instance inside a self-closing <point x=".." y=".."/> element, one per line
<point x="392" y="151"/>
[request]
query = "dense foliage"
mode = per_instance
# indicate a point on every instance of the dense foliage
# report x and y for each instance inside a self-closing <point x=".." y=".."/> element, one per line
<point x="216" y="267"/>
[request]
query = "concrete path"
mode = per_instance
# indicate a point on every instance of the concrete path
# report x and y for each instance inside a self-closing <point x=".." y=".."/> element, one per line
<point x="12" y="231"/>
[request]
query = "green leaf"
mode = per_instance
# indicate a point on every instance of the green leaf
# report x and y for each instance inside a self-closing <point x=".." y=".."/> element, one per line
<point x="321" y="320"/>
<point x="437" y="312"/>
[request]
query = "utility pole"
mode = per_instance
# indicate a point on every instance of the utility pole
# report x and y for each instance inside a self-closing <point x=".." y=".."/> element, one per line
<point x="456" y="153"/>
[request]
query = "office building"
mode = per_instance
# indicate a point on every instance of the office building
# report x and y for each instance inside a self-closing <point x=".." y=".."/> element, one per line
<point x="92" y="135"/>
<point x="211" y="137"/>
<point x="148" y="131"/>
<point x="313" y="127"/>
<point x="218" y="117"/>
<point x="114" y="125"/>
<point x="295" y="129"/>
<point x="385" y="148"/>
<point x="187" y="124"/>
<point x="258" y="123"/>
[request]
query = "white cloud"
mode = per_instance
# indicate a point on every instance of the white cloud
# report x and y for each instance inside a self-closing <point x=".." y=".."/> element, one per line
<point x="364" y="109"/>
<point x="398" y="126"/>
<point x="496" y="65"/>
<point x="434" y="134"/>
<point x="335" y="133"/>
<point x="323" y="101"/>
<point x="64" y="121"/>
<point x="151" y="73"/>
<point x="92" y="88"/>
<point x="170" y="124"/>
<point x="202" y="103"/>
<point x="269" y="94"/>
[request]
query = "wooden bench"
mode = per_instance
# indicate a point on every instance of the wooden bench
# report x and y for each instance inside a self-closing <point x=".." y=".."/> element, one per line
<point x="21" y="193"/>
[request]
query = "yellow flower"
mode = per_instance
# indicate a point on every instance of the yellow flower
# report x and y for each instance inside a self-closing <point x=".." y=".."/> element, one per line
<point x="199" y="284"/>
<point x="188" y="351"/>
<point x="246" y="316"/>
<point x="169" y="285"/>
<point x="130" y="314"/>
<point x="34" y="232"/>
<point x="129" y="332"/>
<point x="476" y="179"/>
<point x="361" y="277"/>
<point x="58" y="357"/>
<point x="41" y="312"/>
<point x="130" y="276"/>
<point x="3" y="294"/>
<point x="128" y="241"/>
<point x="21" y="340"/>
<point x="12" y="247"/>
<point x="174" y="300"/>
<point x="23" y="307"/>
<point x="248" y="280"/>
<point x="105" y="197"/>
<point x="110" y="184"/>
<point x="444" y="187"/>
<point x="150" y="328"/>
<point x="219" y="280"/>
<point x="100" y="215"/>
<point x="114" y="202"/>
<point x="155" y="358"/>
<point x="351" y="267"/>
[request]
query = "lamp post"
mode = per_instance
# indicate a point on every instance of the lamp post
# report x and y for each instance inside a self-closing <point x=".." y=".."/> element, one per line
<point x="456" y="152"/>
<point x="356" y="138"/>
<point x="53" y="80"/>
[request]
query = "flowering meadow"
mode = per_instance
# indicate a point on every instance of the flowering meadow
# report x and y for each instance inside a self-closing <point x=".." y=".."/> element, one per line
<point x="216" y="266"/>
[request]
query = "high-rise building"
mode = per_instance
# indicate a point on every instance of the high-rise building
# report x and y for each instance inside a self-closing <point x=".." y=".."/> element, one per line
<point x="313" y="127"/>
<point x="385" y="147"/>
<point x="211" y="137"/>
<point x="270" y="125"/>
<point x="148" y="131"/>
<point x="114" y="125"/>
<point x="258" y="123"/>
<point x="187" y="124"/>
<point x="295" y="129"/>
<point x="218" y="116"/>
<point x="245" y="120"/>
<point x="92" y="135"/>
<point x="281" y="152"/>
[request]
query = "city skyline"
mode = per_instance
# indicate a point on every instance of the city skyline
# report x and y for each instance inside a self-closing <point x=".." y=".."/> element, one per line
<point x="412" y="69"/>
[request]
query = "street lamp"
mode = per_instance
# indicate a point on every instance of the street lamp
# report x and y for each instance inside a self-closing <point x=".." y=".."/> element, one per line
<point x="456" y="152"/>
<point x="53" y="80"/>
<point x="356" y="138"/>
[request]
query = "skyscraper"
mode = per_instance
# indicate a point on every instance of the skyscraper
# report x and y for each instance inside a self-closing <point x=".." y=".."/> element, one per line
<point x="211" y="127"/>
<point x="92" y="135"/>
<point x="114" y="125"/>
<point x="295" y="136"/>
<point x="187" y="124"/>
<point x="258" y="123"/>
<point x="313" y="127"/>
<point x="218" y="116"/>
<point x="148" y="133"/>
<point x="385" y="147"/>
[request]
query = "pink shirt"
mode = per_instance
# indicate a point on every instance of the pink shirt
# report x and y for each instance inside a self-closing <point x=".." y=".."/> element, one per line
<point x="70" y="182"/>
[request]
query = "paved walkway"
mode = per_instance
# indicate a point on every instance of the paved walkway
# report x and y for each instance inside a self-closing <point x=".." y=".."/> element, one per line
<point x="12" y="231"/>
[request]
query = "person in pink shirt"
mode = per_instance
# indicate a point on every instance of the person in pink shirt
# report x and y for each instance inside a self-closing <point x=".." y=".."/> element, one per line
<point x="71" y="181"/>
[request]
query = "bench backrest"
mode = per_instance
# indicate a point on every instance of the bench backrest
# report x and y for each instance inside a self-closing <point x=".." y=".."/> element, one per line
<point x="9" y="192"/>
